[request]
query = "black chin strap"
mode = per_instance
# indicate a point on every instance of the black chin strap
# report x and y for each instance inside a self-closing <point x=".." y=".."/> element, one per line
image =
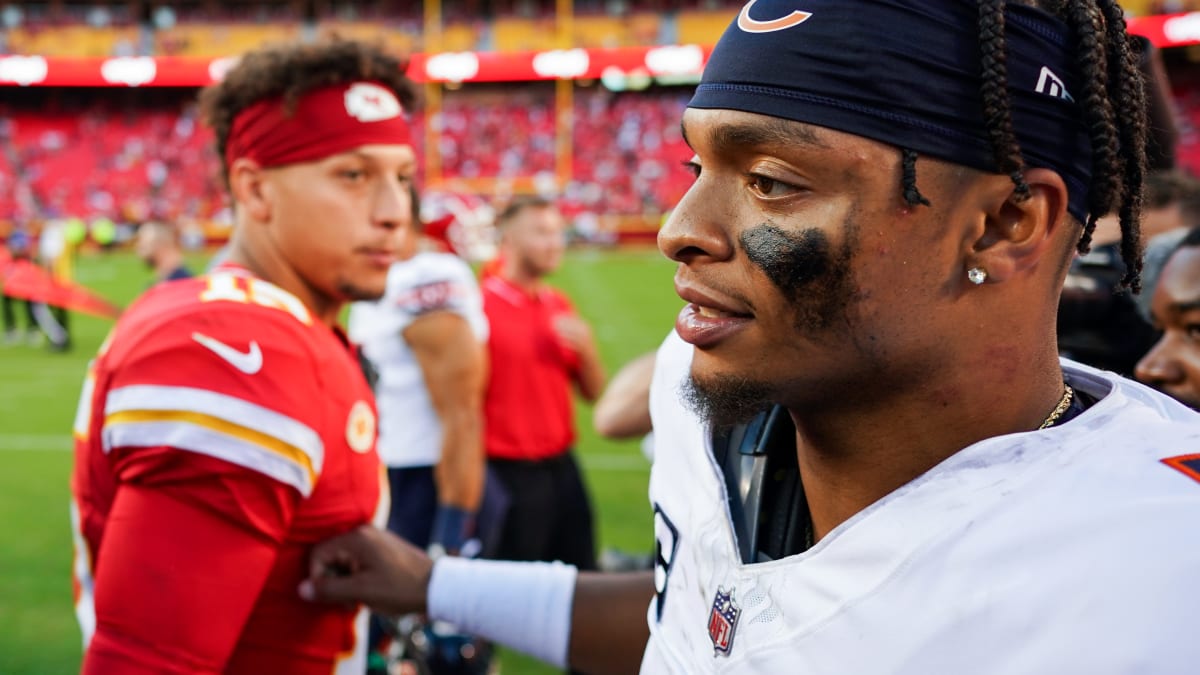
<point x="766" y="499"/>
<point x="767" y="506"/>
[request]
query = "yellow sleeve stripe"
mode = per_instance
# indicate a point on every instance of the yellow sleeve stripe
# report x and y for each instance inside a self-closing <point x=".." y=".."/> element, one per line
<point x="215" y="437"/>
<point x="286" y="430"/>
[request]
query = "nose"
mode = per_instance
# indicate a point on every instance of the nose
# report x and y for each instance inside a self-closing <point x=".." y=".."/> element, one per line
<point x="691" y="233"/>
<point x="1159" y="367"/>
<point x="393" y="206"/>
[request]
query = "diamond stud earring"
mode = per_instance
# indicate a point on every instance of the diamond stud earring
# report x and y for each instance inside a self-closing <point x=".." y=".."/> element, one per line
<point x="976" y="275"/>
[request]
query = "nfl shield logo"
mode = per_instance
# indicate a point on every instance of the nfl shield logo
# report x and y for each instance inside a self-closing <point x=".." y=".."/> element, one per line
<point x="722" y="621"/>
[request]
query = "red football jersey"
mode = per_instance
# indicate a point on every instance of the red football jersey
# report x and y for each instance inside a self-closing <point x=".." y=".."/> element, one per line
<point x="222" y="432"/>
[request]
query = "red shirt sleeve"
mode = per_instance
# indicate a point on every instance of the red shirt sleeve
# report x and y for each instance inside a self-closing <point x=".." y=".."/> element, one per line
<point x="176" y="581"/>
<point x="209" y="444"/>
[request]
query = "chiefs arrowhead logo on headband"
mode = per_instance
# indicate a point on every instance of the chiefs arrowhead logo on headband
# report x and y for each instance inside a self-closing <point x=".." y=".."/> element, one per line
<point x="750" y="25"/>
<point x="326" y="120"/>
<point x="367" y="102"/>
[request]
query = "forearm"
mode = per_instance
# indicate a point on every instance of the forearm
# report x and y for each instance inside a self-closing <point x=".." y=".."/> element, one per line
<point x="622" y="417"/>
<point x="623" y="410"/>
<point x="596" y="622"/>
<point x="590" y="376"/>
<point x="460" y="472"/>
<point x="608" y="621"/>
<point x="453" y="367"/>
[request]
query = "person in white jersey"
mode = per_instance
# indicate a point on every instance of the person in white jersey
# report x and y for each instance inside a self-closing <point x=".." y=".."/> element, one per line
<point x="424" y="342"/>
<point x="869" y="456"/>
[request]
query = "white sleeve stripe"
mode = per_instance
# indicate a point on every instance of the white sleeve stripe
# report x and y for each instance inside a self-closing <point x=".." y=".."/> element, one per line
<point x="85" y="605"/>
<point x="83" y="411"/>
<point x="222" y="406"/>
<point x="213" y="443"/>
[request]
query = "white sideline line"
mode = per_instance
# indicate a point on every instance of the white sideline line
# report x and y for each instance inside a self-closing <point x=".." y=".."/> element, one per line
<point x="610" y="461"/>
<point x="37" y="442"/>
<point x="65" y="443"/>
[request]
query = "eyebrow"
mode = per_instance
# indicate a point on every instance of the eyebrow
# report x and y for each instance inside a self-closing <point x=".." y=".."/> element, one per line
<point x="770" y="132"/>
<point x="1181" y="307"/>
<point x="376" y="160"/>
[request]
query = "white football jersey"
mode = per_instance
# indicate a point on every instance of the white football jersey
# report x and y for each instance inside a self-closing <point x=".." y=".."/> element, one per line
<point x="410" y="433"/>
<point x="1074" y="550"/>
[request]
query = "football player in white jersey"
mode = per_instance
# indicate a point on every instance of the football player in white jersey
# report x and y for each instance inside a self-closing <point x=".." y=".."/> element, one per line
<point x="870" y="458"/>
<point x="425" y="340"/>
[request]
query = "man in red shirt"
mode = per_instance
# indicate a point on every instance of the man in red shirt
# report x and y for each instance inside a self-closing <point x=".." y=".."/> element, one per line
<point x="539" y="350"/>
<point x="225" y="426"/>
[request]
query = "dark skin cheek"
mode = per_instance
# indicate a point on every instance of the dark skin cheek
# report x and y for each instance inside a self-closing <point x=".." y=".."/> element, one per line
<point x="804" y="266"/>
<point x="789" y="259"/>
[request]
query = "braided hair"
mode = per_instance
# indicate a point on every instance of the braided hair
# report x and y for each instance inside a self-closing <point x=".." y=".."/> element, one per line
<point x="1113" y="102"/>
<point x="908" y="184"/>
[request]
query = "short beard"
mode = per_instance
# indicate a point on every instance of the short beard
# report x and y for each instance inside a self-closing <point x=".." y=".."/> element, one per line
<point x="354" y="293"/>
<point x="725" y="402"/>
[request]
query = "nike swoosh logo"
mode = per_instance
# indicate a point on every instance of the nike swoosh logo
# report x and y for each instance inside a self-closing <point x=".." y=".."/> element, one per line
<point x="249" y="362"/>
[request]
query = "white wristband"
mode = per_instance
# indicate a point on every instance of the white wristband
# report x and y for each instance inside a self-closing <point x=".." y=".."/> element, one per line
<point x="523" y="605"/>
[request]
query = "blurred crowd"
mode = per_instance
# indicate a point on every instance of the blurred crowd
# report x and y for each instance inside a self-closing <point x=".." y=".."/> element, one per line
<point x="209" y="29"/>
<point x="145" y="156"/>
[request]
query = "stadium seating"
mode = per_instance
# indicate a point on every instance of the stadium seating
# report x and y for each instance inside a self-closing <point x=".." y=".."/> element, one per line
<point x="463" y="36"/>
<point x="74" y="40"/>
<point x="702" y="28"/>
<point x="625" y="153"/>
<point x="153" y="159"/>
<point x="157" y="162"/>
<point x="66" y="29"/>
<point x="220" y="39"/>
<point x="594" y="31"/>
<point x="235" y="27"/>
<point x="1186" y="92"/>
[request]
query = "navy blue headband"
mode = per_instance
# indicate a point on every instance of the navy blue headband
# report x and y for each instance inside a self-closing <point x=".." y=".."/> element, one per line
<point x="906" y="73"/>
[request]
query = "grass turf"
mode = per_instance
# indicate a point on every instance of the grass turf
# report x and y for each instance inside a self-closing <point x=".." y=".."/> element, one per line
<point x="625" y="294"/>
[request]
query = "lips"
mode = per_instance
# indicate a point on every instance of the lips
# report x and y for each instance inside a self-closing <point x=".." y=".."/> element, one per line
<point x="707" y="319"/>
<point x="380" y="257"/>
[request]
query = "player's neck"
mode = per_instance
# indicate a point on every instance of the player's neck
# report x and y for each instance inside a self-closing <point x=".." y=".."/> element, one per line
<point x="854" y="455"/>
<point x="521" y="276"/>
<point x="168" y="262"/>
<point x="276" y="271"/>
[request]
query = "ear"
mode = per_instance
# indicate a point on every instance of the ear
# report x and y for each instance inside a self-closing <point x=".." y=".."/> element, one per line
<point x="250" y="192"/>
<point x="504" y="235"/>
<point x="1019" y="233"/>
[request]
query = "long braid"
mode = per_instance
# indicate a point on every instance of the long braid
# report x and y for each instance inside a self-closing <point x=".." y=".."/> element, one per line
<point x="1130" y="96"/>
<point x="908" y="180"/>
<point x="1111" y="83"/>
<point x="1107" y="162"/>
<point x="994" y="90"/>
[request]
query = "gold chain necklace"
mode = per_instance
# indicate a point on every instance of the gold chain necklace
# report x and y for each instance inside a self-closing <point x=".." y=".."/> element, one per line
<point x="1063" y="404"/>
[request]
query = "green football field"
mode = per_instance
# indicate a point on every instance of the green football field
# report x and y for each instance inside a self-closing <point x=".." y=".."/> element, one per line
<point x="625" y="294"/>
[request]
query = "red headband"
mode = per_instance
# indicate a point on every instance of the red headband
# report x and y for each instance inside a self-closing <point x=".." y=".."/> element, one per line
<point x="327" y="121"/>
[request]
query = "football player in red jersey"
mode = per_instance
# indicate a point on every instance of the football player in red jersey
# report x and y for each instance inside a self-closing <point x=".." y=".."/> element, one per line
<point x="225" y="425"/>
